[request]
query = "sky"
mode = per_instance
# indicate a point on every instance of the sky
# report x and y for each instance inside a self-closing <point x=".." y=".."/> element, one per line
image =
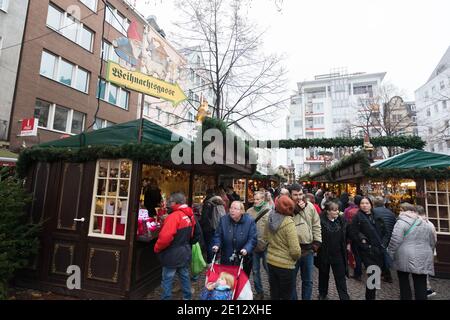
<point x="404" y="38"/>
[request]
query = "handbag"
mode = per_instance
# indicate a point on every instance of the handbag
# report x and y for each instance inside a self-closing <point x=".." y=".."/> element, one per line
<point x="197" y="262"/>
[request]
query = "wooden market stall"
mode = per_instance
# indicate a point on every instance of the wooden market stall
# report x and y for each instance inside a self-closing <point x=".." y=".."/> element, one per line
<point x="87" y="191"/>
<point x="414" y="176"/>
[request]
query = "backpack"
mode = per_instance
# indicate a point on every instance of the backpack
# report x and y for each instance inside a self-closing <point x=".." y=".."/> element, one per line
<point x="218" y="211"/>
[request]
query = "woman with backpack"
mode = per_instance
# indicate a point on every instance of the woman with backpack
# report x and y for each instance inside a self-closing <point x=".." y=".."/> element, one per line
<point x="366" y="231"/>
<point x="212" y="210"/>
<point x="260" y="213"/>
<point x="411" y="247"/>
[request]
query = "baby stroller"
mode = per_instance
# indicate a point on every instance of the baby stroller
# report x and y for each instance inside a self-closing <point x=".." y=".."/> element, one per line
<point x="242" y="289"/>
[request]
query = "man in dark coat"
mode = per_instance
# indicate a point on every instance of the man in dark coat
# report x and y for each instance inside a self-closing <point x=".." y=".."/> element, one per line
<point x="152" y="198"/>
<point x="388" y="217"/>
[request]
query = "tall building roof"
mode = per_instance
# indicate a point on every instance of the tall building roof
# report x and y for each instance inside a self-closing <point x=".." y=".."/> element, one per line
<point x="443" y="64"/>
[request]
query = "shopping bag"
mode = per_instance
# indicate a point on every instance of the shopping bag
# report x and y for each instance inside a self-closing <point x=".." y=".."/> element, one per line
<point x="197" y="263"/>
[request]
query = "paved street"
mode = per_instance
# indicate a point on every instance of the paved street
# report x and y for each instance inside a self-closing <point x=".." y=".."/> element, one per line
<point x="356" y="289"/>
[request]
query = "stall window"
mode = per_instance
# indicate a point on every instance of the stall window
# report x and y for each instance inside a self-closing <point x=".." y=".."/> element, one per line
<point x="437" y="204"/>
<point x="109" y="210"/>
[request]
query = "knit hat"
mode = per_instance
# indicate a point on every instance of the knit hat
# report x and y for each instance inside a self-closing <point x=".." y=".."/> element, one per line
<point x="285" y="206"/>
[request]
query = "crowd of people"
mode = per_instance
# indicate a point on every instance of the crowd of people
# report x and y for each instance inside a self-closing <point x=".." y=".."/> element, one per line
<point x="292" y="231"/>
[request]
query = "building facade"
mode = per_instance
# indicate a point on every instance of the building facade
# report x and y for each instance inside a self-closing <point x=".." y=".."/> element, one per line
<point x="326" y="107"/>
<point x="12" y="22"/>
<point x="433" y="108"/>
<point x="61" y="70"/>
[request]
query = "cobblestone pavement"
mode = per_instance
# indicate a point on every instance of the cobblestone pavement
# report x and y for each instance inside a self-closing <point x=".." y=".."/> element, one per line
<point x="356" y="289"/>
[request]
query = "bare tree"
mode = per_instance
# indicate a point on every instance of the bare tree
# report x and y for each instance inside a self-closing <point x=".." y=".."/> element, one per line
<point x="384" y="113"/>
<point x="246" y="83"/>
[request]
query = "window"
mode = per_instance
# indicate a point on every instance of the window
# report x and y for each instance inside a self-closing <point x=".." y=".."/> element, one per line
<point x="4" y="5"/>
<point x="444" y="104"/>
<point x="437" y="204"/>
<point x="60" y="70"/>
<point x="91" y="4"/>
<point x="436" y="109"/>
<point x="442" y="84"/>
<point x="41" y="111"/>
<point x="69" y="27"/>
<point x="414" y="119"/>
<point x="109" y="54"/>
<point x="113" y="94"/>
<point x="109" y="211"/>
<point x="116" y="19"/>
<point x="428" y="112"/>
<point x="363" y="89"/>
<point x="297" y="123"/>
<point x="65" y="73"/>
<point x="101" y="123"/>
<point x="77" y="122"/>
<point x="58" y="118"/>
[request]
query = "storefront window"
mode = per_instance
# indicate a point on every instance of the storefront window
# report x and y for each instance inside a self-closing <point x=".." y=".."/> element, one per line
<point x="110" y="200"/>
<point x="437" y="204"/>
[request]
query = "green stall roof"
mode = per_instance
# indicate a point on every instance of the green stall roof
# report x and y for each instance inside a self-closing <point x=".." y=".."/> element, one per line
<point x="116" y="135"/>
<point x="414" y="159"/>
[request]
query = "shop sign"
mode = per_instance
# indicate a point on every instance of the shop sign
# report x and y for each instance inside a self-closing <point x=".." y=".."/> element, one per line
<point x="145" y="84"/>
<point x="29" y="127"/>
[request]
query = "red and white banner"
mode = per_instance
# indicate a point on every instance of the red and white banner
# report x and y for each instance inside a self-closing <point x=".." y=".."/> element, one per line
<point x="29" y="127"/>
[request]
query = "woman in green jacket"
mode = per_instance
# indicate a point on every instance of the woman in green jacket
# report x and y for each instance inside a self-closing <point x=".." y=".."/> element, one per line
<point x="283" y="249"/>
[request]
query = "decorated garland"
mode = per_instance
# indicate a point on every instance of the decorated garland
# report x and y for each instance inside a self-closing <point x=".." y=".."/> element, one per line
<point x="408" y="142"/>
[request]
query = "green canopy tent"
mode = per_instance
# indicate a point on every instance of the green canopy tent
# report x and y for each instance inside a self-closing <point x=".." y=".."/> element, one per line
<point x="414" y="159"/>
<point x="116" y="135"/>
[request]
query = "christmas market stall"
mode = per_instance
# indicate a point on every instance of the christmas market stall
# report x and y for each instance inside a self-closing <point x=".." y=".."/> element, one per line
<point x="246" y="186"/>
<point x="101" y="197"/>
<point x="415" y="176"/>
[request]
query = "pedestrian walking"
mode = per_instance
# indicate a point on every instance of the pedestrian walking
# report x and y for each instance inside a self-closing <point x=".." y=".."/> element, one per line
<point x="411" y="248"/>
<point x="349" y="213"/>
<point x="333" y="252"/>
<point x="366" y="231"/>
<point x="174" y="246"/>
<point x="283" y="250"/>
<point x="307" y="223"/>
<point x="260" y="213"/>
<point x="236" y="235"/>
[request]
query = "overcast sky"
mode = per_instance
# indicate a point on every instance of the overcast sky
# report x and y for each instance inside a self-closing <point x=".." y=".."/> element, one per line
<point x="405" y="38"/>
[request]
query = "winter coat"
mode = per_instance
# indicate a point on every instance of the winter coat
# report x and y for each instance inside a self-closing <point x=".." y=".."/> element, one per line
<point x="389" y="220"/>
<point x="412" y="251"/>
<point x="231" y="236"/>
<point x="371" y="252"/>
<point x="334" y="235"/>
<point x="283" y="248"/>
<point x="307" y="224"/>
<point x="178" y="232"/>
<point x="207" y="209"/>
<point x="260" y="226"/>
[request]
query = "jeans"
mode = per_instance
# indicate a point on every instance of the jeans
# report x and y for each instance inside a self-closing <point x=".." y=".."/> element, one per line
<point x="339" y="278"/>
<point x="168" y="274"/>
<point x="306" y="266"/>
<point x="281" y="283"/>
<point x="257" y="257"/>
<point x="420" y="286"/>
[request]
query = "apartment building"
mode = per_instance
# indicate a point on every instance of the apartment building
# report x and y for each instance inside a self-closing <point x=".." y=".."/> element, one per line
<point x="327" y="107"/>
<point x="433" y="107"/>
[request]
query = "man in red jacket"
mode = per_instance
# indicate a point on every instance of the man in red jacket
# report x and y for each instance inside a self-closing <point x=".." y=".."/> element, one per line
<point x="174" y="245"/>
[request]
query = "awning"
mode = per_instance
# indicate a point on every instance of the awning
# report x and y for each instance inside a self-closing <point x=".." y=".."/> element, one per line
<point x="414" y="159"/>
<point x="7" y="158"/>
